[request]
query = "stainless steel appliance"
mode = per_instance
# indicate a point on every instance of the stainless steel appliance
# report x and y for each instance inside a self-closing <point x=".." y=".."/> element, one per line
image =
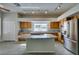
<point x="71" y="35"/>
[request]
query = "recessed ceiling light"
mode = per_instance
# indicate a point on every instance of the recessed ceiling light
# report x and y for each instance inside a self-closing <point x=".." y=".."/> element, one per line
<point x="17" y="4"/>
<point x="58" y="7"/>
<point x="33" y="12"/>
<point x="1" y="6"/>
<point x="46" y="12"/>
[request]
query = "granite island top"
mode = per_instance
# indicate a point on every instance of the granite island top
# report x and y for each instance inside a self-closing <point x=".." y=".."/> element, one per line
<point x="45" y="32"/>
<point x="41" y="36"/>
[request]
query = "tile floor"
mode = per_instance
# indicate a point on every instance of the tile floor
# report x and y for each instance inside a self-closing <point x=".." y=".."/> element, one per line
<point x="14" y="48"/>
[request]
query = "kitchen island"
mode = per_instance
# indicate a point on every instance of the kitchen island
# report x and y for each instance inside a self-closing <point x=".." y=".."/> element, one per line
<point x="42" y="43"/>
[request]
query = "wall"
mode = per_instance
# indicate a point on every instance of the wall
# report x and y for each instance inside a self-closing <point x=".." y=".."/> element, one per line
<point x="0" y="27"/>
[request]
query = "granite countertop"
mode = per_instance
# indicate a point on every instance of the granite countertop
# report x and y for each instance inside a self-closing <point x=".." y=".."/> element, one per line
<point x="31" y="31"/>
<point x="40" y="36"/>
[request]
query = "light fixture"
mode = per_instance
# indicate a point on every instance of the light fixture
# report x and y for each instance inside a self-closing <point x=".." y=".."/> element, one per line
<point x="17" y="4"/>
<point x="59" y="6"/>
<point x="46" y="12"/>
<point x="33" y="12"/>
<point x="1" y="6"/>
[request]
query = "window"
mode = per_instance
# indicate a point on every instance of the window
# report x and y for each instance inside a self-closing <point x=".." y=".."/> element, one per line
<point x="40" y="27"/>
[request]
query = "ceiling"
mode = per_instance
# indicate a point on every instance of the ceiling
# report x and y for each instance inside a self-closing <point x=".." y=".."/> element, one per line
<point x="39" y="8"/>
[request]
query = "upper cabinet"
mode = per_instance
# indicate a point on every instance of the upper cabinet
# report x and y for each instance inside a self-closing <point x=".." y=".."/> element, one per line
<point x="54" y="25"/>
<point x="25" y="25"/>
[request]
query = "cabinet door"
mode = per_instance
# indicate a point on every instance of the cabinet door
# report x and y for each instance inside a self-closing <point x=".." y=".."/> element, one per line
<point x="29" y="25"/>
<point x="25" y="25"/>
<point x="54" y="25"/>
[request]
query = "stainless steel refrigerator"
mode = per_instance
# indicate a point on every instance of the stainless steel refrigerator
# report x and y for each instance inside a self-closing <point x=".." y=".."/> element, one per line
<point x="71" y="35"/>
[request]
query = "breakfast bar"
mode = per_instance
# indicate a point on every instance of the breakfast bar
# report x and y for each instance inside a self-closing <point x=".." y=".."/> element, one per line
<point x="41" y="43"/>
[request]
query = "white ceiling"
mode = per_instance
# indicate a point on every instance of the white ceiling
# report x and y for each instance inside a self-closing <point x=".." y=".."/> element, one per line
<point x="29" y="7"/>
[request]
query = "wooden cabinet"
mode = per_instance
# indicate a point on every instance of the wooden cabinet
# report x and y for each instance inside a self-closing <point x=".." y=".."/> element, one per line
<point x="25" y="25"/>
<point x="54" y="25"/>
<point x="60" y="38"/>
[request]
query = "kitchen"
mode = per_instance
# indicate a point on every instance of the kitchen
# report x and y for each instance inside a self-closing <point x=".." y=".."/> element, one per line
<point x="39" y="29"/>
<point x="40" y="34"/>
